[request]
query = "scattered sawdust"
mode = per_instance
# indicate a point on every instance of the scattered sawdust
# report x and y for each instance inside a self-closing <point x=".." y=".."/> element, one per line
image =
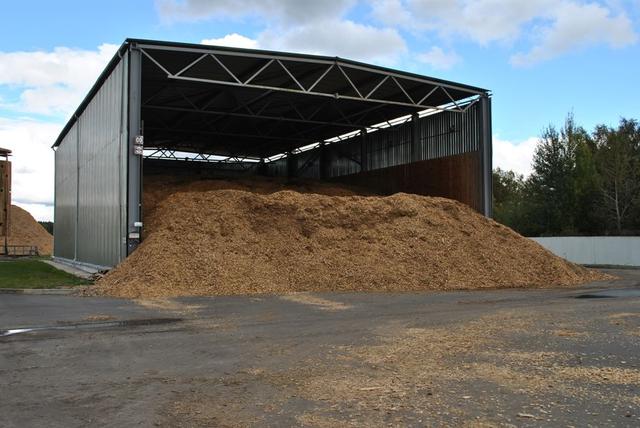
<point x="602" y="375"/>
<point x="166" y="304"/>
<point x="25" y="230"/>
<point x="320" y="421"/>
<point x="624" y="315"/>
<point x="421" y="376"/>
<point x="424" y="357"/>
<point x="319" y="302"/>
<point x="100" y="317"/>
<point x="220" y="237"/>
<point x="569" y="333"/>
<point x="629" y="320"/>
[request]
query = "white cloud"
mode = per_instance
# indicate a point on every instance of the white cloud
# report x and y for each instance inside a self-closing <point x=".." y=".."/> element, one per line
<point x="578" y="26"/>
<point x="514" y="156"/>
<point x="317" y="27"/>
<point x="41" y="212"/>
<point x="335" y="38"/>
<point x="284" y="11"/>
<point x="32" y="163"/>
<point x="439" y="59"/>
<point x="482" y="21"/>
<point x="338" y="38"/>
<point x="52" y="82"/>
<point x="391" y="12"/>
<point x="233" y="40"/>
<point x="558" y="27"/>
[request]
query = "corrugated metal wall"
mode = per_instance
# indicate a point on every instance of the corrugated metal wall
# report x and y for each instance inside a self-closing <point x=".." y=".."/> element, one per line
<point x="444" y="134"/>
<point x="91" y="178"/>
<point x="66" y="188"/>
<point x="446" y="162"/>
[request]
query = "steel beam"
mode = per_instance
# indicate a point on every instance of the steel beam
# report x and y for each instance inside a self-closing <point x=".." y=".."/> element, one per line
<point x="486" y="155"/>
<point x="307" y="92"/>
<point x="341" y="66"/>
<point x="255" y="116"/>
<point x="215" y="133"/>
<point x="134" y="179"/>
<point x="314" y="60"/>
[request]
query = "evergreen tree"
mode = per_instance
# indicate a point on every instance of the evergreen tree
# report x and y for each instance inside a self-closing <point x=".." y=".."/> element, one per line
<point x="552" y="185"/>
<point x="618" y="164"/>
<point x="508" y="190"/>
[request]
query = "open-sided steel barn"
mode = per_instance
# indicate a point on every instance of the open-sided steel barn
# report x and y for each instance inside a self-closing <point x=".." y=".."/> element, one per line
<point x="164" y="106"/>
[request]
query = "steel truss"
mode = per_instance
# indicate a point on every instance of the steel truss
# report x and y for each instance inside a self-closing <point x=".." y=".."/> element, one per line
<point x="345" y="69"/>
<point x="179" y="155"/>
<point x="195" y="113"/>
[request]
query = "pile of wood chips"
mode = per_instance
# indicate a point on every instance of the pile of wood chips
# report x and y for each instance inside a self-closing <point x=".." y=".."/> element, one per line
<point x="215" y="237"/>
<point x="25" y="230"/>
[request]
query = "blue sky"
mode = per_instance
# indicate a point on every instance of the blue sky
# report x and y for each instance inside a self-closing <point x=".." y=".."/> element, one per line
<point x="541" y="58"/>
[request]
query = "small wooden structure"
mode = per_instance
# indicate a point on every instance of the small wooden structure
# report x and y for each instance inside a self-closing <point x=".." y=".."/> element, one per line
<point x="5" y="195"/>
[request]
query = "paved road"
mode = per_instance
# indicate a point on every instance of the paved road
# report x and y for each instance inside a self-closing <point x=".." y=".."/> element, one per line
<point x="506" y="357"/>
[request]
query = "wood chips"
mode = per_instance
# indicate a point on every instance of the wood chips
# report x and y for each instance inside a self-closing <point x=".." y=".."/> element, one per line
<point x="25" y="230"/>
<point x="215" y="237"/>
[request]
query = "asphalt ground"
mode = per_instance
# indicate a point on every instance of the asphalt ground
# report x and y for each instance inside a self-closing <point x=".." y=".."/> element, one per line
<point x="553" y="357"/>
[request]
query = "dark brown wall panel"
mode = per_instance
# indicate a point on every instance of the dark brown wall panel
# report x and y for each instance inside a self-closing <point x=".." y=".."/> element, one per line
<point x="455" y="177"/>
<point x="5" y="196"/>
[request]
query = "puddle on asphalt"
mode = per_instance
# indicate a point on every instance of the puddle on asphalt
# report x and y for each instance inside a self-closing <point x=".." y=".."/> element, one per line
<point x="592" y="296"/>
<point x="608" y="294"/>
<point x="92" y="325"/>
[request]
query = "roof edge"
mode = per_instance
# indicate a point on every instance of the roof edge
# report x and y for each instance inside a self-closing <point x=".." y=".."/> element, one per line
<point x="128" y="42"/>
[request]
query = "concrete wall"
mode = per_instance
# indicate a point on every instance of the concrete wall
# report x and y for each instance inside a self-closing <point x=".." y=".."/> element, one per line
<point x="595" y="250"/>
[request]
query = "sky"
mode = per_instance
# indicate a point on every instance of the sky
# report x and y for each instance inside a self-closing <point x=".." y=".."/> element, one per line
<point x="542" y="59"/>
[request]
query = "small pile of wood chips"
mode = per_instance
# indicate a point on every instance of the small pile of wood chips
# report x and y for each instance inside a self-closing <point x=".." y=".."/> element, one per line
<point x="25" y="230"/>
<point x="216" y="237"/>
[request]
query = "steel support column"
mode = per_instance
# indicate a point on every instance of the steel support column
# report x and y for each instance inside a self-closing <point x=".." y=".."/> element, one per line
<point x="486" y="155"/>
<point x="415" y="138"/>
<point x="134" y="161"/>
<point x="292" y="165"/>
<point x="364" y="158"/>
<point x="325" y="161"/>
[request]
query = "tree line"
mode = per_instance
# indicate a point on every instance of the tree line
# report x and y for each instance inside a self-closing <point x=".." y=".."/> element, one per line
<point x="583" y="183"/>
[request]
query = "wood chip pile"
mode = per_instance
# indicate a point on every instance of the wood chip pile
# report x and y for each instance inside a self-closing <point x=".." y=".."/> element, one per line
<point x="221" y="238"/>
<point x="25" y="230"/>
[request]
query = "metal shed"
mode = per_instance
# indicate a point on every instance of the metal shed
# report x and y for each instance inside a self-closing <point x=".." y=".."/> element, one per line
<point x="165" y="105"/>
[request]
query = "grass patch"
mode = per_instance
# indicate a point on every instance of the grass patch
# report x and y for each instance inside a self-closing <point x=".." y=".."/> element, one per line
<point x="31" y="273"/>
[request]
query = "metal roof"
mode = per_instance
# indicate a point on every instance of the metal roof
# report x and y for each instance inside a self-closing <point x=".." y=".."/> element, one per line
<point x="229" y="101"/>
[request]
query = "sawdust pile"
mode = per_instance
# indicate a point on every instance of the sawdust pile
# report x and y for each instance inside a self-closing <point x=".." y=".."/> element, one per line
<point x="218" y="237"/>
<point x="25" y="230"/>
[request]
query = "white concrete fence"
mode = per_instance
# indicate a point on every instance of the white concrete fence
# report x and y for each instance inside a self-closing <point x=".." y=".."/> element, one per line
<point x="595" y="250"/>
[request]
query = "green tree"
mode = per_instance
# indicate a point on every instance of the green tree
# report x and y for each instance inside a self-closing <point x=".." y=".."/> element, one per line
<point x="618" y="165"/>
<point x="508" y="198"/>
<point x="587" y="218"/>
<point x="552" y="185"/>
